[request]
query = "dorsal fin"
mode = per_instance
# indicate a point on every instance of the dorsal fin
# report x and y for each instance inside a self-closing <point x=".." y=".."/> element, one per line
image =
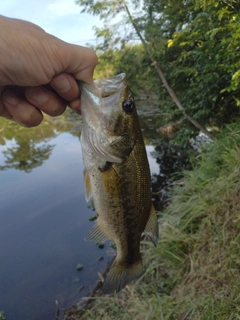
<point x="151" y="228"/>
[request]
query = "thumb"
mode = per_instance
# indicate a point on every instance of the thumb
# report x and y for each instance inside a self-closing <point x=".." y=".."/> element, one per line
<point x="80" y="62"/>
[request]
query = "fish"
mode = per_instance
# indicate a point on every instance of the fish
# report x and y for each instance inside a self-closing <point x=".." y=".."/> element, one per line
<point x="117" y="176"/>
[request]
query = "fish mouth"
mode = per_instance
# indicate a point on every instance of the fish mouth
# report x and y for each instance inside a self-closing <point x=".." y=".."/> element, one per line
<point x="110" y="86"/>
<point x="98" y="103"/>
<point x="104" y="93"/>
<point x="106" y="87"/>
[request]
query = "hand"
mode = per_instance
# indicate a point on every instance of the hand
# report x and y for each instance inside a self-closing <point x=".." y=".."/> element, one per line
<point x="38" y="72"/>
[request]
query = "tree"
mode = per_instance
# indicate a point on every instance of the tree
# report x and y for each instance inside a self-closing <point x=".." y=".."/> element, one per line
<point x="203" y="60"/>
<point x="110" y="9"/>
<point x="193" y="45"/>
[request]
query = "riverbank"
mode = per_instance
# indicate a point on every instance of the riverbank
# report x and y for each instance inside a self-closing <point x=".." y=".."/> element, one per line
<point x="194" y="272"/>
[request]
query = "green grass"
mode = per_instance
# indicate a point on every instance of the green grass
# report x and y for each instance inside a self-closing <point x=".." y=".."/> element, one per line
<point x="194" y="273"/>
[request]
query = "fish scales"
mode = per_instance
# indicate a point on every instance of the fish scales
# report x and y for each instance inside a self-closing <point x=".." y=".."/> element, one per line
<point x="117" y="175"/>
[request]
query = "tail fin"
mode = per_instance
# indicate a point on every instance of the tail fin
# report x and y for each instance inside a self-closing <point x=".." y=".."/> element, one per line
<point x="119" y="276"/>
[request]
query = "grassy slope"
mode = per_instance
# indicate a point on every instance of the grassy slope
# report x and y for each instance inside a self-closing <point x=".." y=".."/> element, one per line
<point x="194" y="273"/>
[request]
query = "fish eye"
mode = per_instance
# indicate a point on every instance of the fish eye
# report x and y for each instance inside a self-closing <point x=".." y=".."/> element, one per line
<point x="128" y="105"/>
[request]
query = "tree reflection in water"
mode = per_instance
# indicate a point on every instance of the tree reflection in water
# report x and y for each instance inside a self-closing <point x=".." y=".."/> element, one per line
<point x="26" y="156"/>
<point x="30" y="147"/>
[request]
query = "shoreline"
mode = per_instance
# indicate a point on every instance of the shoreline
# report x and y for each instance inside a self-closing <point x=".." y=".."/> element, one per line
<point x="84" y="302"/>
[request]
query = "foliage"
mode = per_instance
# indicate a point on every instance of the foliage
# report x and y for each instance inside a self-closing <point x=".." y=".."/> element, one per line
<point x="127" y="60"/>
<point x="196" y="43"/>
<point x="194" y="271"/>
<point x="203" y="63"/>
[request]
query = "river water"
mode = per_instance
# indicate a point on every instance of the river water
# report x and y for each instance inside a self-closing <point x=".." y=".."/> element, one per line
<point x="44" y="217"/>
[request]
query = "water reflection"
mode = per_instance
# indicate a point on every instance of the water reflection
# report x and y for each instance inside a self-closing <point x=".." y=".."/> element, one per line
<point x="26" y="155"/>
<point x="27" y="149"/>
<point x="44" y="219"/>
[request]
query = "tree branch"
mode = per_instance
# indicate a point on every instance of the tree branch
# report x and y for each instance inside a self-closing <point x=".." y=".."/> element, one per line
<point x="162" y="76"/>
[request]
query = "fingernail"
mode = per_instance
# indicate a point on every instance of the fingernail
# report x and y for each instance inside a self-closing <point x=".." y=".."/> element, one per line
<point x="61" y="83"/>
<point x="37" y="94"/>
<point x="10" y="98"/>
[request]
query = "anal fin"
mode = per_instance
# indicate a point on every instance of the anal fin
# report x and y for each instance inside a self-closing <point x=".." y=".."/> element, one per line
<point x="152" y="227"/>
<point x="96" y="234"/>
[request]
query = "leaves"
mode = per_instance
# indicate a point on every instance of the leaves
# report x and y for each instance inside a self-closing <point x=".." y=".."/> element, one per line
<point x="196" y="43"/>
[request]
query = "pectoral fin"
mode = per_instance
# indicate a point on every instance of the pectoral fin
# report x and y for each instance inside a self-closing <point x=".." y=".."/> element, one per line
<point x="87" y="184"/>
<point x="96" y="234"/>
<point x="151" y="228"/>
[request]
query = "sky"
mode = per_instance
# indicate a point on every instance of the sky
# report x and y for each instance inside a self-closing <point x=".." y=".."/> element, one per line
<point x="62" y="18"/>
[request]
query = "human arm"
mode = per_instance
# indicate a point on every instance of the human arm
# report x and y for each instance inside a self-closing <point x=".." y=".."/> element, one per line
<point x="38" y="72"/>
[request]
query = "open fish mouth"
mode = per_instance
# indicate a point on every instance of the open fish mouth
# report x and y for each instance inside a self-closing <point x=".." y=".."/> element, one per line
<point x="105" y="87"/>
<point x="99" y="105"/>
<point x="102" y="97"/>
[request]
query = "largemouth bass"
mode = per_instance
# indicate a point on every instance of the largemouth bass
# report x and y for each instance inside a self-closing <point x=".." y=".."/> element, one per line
<point x="117" y="175"/>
